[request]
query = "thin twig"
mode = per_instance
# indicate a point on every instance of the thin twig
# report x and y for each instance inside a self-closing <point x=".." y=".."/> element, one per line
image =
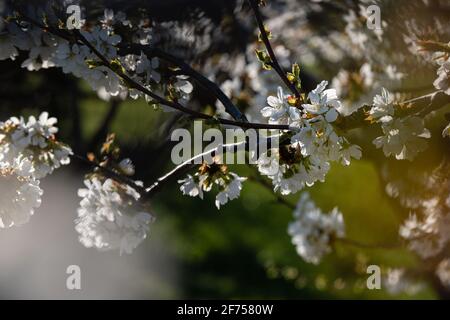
<point x="189" y="164"/>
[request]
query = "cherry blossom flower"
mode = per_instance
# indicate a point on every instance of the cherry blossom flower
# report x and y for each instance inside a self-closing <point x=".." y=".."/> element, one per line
<point x="35" y="141"/>
<point x="403" y="138"/>
<point x="323" y="102"/>
<point x="278" y="109"/>
<point x="383" y="109"/>
<point x="103" y="40"/>
<point x="230" y="190"/>
<point x="429" y="235"/>
<point x="228" y="183"/>
<point x="20" y="194"/>
<point x="347" y="153"/>
<point x="313" y="231"/>
<point x="71" y="58"/>
<point x="443" y="80"/>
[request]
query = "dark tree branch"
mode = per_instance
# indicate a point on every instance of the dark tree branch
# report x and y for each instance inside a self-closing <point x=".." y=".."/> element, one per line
<point x="174" y="104"/>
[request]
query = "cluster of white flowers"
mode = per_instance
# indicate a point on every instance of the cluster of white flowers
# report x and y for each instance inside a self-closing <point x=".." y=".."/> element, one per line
<point x="426" y="231"/>
<point x="313" y="146"/>
<point x="422" y="235"/>
<point x="313" y="231"/>
<point x="357" y="88"/>
<point x="109" y="216"/>
<point x="403" y="138"/>
<point x="431" y="53"/>
<point x="229" y="185"/>
<point x="29" y="151"/>
<point x="47" y="50"/>
<point x="428" y="236"/>
<point x="442" y="82"/>
<point x="19" y="194"/>
<point x="348" y="83"/>
<point x="35" y="141"/>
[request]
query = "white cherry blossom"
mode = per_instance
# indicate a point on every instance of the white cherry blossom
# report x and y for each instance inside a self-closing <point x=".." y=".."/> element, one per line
<point x="231" y="190"/>
<point x="383" y="109"/>
<point x="323" y="102"/>
<point x="278" y="109"/>
<point x="313" y="231"/>
<point x="229" y="185"/>
<point x="443" y="80"/>
<point x="191" y="187"/>
<point x="403" y="138"/>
